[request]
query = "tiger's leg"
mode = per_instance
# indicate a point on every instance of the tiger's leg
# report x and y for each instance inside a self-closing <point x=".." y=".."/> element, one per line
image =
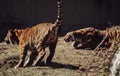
<point x="30" y="58"/>
<point x="112" y="46"/>
<point x="27" y="59"/>
<point x="23" y="53"/>
<point x="113" y="39"/>
<point x="75" y="45"/>
<point x="41" y="54"/>
<point x="52" y="51"/>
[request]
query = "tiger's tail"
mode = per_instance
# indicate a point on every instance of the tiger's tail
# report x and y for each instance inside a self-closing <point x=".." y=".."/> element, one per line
<point x="60" y="13"/>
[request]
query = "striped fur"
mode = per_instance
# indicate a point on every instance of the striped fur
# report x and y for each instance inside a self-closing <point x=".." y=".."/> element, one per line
<point x="113" y="36"/>
<point x="86" y="37"/>
<point x="90" y="37"/>
<point x="36" y="39"/>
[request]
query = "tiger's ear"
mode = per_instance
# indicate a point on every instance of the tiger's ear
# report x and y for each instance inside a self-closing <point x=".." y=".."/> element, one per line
<point x="72" y="33"/>
<point x="18" y="32"/>
<point x="11" y="31"/>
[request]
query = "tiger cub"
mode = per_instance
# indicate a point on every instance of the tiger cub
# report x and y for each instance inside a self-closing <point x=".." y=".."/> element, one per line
<point x="36" y="39"/>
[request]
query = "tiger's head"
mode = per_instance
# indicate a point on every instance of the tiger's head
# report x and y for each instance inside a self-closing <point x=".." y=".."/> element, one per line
<point x="11" y="37"/>
<point x="69" y="37"/>
<point x="80" y="35"/>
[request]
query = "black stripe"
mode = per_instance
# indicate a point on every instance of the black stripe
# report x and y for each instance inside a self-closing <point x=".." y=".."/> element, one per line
<point x="60" y="13"/>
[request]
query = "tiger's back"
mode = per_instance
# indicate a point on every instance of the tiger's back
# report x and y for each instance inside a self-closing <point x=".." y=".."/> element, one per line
<point x="39" y="34"/>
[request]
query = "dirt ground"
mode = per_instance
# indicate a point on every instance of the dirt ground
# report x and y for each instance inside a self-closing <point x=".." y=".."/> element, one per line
<point x="66" y="62"/>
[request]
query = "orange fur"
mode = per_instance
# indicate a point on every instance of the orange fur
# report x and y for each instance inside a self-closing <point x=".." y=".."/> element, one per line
<point x="35" y="39"/>
<point x="91" y="37"/>
<point x="113" y="38"/>
<point x="88" y="37"/>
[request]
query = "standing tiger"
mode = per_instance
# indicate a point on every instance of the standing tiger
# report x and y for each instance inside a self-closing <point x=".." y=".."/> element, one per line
<point x="36" y="39"/>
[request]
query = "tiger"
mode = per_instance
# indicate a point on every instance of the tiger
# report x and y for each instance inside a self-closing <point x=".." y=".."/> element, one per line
<point x="36" y="39"/>
<point x="113" y="36"/>
<point x="87" y="37"/>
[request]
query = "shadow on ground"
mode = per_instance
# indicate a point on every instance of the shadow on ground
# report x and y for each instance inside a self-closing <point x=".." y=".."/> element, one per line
<point x="56" y="65"/>
<point x="13" y="60"/>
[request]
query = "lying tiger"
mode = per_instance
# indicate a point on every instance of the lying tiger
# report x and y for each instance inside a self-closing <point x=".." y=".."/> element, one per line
<point x="86" y="38"/>
<point x="36" y="39"/>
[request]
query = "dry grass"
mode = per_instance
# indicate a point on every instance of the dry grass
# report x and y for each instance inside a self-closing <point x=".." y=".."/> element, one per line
<point x="65" y="62"/>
